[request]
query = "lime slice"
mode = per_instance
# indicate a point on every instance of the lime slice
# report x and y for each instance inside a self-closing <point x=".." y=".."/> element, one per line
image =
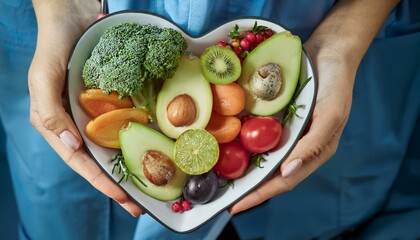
<point x="196" y="151"/>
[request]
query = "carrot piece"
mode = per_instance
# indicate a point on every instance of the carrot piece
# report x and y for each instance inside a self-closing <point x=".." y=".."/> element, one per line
<point x="228" y="99"/>
<point x="223" y="128"/>
<point x="104" y="129"/>
<point x="95" y="102"/>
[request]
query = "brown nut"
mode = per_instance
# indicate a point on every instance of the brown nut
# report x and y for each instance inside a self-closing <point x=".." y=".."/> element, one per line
<point x="181" y="111"/>
<point x="158" y="168"/>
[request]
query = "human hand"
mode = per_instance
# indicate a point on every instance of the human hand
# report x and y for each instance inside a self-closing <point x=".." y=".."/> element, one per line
<point x="46" y="80"/>
<point x="320" y="142"/>
<point x="336" y="48"/>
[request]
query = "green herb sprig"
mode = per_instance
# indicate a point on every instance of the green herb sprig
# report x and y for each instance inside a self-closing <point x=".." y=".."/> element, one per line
<point x="293" y="106"/>
<point x="121" y="167"/>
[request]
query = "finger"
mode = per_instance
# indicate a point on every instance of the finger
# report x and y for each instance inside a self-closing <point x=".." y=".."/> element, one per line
<point x="311" y="151"/>
<point x="87" y="168"/>
<point x="47" y="104"/>
<point x="319" y="143"/>
<point x="49" y="117"/>
<point x="260" y="194"/>
<point x="56" y="126"/>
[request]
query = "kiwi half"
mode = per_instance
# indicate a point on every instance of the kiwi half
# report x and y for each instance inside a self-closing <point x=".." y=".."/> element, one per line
<point x="220" y="65"/>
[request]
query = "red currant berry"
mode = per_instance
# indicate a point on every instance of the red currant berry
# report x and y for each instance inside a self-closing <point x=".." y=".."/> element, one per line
<point x="244" y="44"/>
<point x="250" y="37"/>
<point x="252" y="46"/>
<point x="259" y="38"/>
<point x="268" y="32"/>
<point x="186" y="205"/>
<point x="237" y="51"/>
<point x="176" y="207"/>
<point x="222" y="44"/>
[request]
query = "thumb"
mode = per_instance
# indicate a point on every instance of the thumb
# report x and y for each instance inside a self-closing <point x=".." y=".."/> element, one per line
<point x="50" y="118"/>
<point x="48" y="115"/>
<point x="314" y="148"/>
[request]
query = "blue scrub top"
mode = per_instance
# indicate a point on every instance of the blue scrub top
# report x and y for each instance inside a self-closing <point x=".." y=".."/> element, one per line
<point x="367" y="172"/>
<point x="365" y="175"/>
<point x="377" y="162"/>
<point x="199" y="17"/>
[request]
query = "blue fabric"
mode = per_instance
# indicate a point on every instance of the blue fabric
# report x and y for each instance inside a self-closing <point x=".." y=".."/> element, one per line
<point x="10" y="217"/>
<point x="355" y="184"/>
<point x="400" y="216"/>
<point x="53" y="201"/>
<point x="149" y="229"/>
<point x="200" y="16"/>
<point x="370" y="178"/>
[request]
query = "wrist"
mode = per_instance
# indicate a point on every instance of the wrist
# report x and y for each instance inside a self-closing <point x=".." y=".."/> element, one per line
<point x="75" y="14"/>
<point x="336" y="53"/>
<point x="348" y="30"/>
<point x="60" y="24"/>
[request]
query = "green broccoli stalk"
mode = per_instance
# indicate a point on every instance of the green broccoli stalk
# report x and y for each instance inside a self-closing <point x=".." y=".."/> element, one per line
<point x="147" y="97"/>
<point x="134" y="60"/>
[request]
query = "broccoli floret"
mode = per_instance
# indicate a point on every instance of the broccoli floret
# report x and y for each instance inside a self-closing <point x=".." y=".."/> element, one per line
<point x="164" y="52"/>
<point x="91" y="73"/>
<point x="169" y="34"/>
<point x="130" y="57"/>
<point x="162" y="59"/>
<point x="123" y="75"/>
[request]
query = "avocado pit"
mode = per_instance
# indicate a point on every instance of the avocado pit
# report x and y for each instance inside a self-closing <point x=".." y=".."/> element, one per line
<point x="266" y="82"/>
<point x="181" y="110"/>
<point x="158" y="168"/>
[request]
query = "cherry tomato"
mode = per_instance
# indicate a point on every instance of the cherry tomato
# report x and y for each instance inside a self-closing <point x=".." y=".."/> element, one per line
<point x="260" y="134"/>
<point x="233" y="160"/>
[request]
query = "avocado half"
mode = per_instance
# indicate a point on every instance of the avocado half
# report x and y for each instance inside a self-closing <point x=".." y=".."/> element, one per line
<point x="135" y="140"/>
<point x="188" y="80"/>
<point x="283" y="49"/>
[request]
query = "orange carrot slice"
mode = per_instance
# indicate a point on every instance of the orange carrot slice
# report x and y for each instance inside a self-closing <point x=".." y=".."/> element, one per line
<point x="95" y="102"/>
<point x="224" y="128"/>
<point x="104" y="129"/>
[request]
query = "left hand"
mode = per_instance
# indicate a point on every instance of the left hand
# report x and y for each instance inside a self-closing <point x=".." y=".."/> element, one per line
<point x="60" y="24"/>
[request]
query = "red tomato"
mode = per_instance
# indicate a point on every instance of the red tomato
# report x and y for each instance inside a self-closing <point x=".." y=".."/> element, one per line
<point x="233" y="160"/>
<point x="260" y="134"/>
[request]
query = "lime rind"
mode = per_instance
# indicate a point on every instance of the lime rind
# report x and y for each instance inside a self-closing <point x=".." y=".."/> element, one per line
<point x="196" y="151"/>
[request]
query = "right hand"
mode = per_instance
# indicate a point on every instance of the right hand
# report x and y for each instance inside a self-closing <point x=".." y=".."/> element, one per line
<point x="59" y="26"/>
<point x="320" y="141"/>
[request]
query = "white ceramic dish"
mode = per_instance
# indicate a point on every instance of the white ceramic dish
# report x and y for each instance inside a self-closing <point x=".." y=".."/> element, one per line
<point x="225" y="197"/>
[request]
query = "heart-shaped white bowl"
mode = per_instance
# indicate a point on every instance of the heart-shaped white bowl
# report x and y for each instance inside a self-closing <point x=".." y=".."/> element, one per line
<point x="225" y="197"/>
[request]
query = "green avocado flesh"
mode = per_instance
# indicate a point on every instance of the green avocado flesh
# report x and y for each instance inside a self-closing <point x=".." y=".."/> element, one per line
<point x="188" y="80"/>
<point x="283" y="49"/>
<point x="135" y="140"/>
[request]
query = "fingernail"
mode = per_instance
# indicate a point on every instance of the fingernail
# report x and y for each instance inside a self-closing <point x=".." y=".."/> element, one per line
<point x="292" y="167"/>
<point x="69" y="140"/>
